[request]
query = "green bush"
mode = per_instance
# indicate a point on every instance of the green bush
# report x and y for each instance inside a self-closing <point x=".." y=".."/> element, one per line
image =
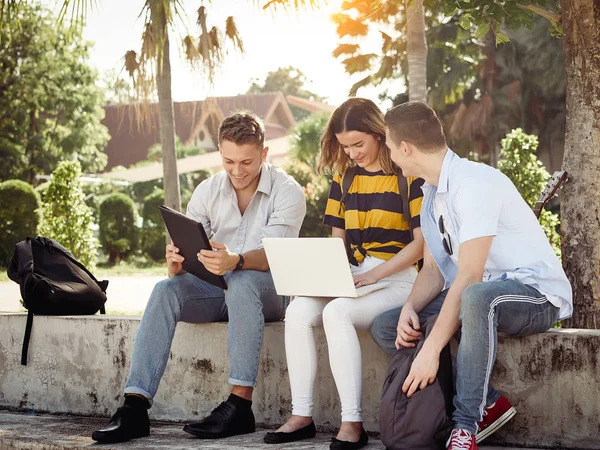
<point x="153" y="235"/>
<point x="316" y="190"/>
<point x="65" y="216"/>
<point x="305" y="141"/>
<point x="19" y="215"/>
<point x="519" y="162"/>
<point x="118" y="229"/>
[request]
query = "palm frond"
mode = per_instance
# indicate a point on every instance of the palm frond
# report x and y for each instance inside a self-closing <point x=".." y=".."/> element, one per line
<point x="149" y="49"/>
<point x="232" y="32"/>
<point x="295" y="4"/>
<point x="131" y="63"/>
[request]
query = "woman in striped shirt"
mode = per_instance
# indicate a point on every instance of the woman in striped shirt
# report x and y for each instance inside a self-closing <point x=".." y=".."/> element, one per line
<point x="383" y="256"/>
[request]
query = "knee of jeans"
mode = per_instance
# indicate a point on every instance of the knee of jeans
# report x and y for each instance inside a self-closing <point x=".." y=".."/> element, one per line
<point x="242" y="281"/>
<point x="336" y="311"/>
<point x="475" y="304"/>
<point x="165" y="291"/>
<point x="377" y="329"/>
<point x="383" y="328"/>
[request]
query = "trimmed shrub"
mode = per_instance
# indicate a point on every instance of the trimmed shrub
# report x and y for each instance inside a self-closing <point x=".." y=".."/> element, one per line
<point x="316" y="190"/>
<point x="118" y="230"/>
<point x="65" y="215"/>
<point x="19" y="216"/>
<point x="519" y="162"/>
<point x="153" y="235"/>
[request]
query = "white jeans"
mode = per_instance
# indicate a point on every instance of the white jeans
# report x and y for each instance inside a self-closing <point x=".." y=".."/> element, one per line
<point x="340" y="317"/>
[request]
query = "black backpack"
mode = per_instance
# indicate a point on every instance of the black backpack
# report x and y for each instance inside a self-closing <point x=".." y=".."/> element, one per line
<point x="53" y="283"/>
<point x="423" y="421"/>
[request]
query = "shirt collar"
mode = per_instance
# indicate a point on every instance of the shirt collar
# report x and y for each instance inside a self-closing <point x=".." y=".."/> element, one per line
<point x="445" y="172"/>
<point x="264" y="183"/>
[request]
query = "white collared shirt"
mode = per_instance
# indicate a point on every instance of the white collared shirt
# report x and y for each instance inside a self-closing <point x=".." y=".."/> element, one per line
<point x="477" y="200"/>
<point x="277" y="209"/>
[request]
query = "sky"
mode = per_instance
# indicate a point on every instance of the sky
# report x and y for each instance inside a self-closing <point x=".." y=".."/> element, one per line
<point x="272" y="39"/>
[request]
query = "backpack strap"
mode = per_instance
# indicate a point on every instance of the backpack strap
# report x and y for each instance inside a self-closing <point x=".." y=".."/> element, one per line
<point x="347" y="180"/>
<point x="21" y="263"/>
<point x="25" y="348"/>
<point x="403" y="189"/>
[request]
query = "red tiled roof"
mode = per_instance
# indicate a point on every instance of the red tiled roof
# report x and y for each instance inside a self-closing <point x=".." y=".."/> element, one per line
<point x="134" y="128"/>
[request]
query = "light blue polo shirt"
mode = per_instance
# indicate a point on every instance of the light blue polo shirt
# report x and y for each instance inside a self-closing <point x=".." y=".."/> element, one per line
<point x="477" y="200"/>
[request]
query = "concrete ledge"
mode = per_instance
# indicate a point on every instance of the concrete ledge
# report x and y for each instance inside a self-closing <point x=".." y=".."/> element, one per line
<point x="78" y="365"/>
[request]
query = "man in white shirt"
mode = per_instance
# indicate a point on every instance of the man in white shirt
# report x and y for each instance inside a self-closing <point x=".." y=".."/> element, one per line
<point x="248" y="201"/>
<point x="488" y="267"/>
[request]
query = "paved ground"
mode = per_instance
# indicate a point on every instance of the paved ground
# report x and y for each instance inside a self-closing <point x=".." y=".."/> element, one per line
<point x="127" y="295"/>
<point x="48" y="432"/>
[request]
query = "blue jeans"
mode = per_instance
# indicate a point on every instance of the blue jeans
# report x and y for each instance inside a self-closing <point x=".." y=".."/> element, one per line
<point x="249" y="302"/>
<point x="487" y="308"/>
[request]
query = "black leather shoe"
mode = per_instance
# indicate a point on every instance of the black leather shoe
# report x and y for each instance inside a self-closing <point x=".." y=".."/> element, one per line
<point x="280" y="437"/>
<point x="225" y="420"/>
<point x="127" y="423"/>
<point x="336" y="444"/>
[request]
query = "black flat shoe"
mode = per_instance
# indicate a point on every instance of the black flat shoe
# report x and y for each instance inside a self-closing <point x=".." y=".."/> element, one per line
<point x="127" y="423"/>
<point x="280" y="437"/>
<point x="336" y="444"/>
<point x="226" y="420"/>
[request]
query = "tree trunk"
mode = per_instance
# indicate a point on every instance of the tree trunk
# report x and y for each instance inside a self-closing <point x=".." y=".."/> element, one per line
<point x="489" y="145"/>
<point x="416" y="50"/>
<point x="166" y="116"/>
<point x="580" y="205"/>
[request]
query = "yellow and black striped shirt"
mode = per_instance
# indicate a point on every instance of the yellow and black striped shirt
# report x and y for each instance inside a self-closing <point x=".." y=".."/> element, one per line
<point x="372" y="213"/>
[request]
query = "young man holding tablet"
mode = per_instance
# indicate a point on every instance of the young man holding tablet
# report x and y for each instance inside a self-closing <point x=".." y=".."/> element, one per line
<point x="248" y="201"/>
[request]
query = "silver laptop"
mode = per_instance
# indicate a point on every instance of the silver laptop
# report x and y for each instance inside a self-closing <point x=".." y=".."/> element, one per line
<point x="312" y="267"/>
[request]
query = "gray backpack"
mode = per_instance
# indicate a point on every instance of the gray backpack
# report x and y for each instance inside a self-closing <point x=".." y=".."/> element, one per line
<point x="423" y="421"/>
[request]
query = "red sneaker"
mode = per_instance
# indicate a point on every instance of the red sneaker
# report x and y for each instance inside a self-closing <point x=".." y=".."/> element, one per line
<point x="494" y="418"/>
<point x="462" y="440"/>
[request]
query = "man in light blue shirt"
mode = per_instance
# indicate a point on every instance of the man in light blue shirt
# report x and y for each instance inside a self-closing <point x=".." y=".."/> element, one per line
<point x="238" y="207"/>
<point x="488" y="267"/>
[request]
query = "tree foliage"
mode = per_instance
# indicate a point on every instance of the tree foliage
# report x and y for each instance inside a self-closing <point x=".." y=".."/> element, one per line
<point x="19" y="215"/>
<point x="305" y="139"/>
<point x="50" y="106"/>
<point x="518" y="161"/>
<point x="65" y="216"/>
<point x="453" y="53"/>
<point x="153" y="234"/>
<point x="118" y="226"/>
<point x="290" y="81"/>
<point x="304" y="151"/>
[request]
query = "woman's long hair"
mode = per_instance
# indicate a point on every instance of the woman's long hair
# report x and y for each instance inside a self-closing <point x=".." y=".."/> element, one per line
<point x="355" y="114"/>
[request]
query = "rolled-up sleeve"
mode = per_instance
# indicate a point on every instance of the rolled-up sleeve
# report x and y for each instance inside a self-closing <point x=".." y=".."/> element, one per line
<point x="478" y="208"/>
<point x="197" y="209"/>
<point x="289" y="209"/>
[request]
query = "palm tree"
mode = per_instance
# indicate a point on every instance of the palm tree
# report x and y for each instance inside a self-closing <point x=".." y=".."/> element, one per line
<point x="151" y="68"/>
<point x="416" y="50"/>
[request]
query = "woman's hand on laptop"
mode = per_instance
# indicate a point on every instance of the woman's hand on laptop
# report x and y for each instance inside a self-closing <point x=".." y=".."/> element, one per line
<point x="365" y="279"/>
<point x="174" y="260"/>
<point x="219" y="260"/>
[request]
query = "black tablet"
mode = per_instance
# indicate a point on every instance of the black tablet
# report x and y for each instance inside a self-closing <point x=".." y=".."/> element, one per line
<point x="189" y="237"/>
